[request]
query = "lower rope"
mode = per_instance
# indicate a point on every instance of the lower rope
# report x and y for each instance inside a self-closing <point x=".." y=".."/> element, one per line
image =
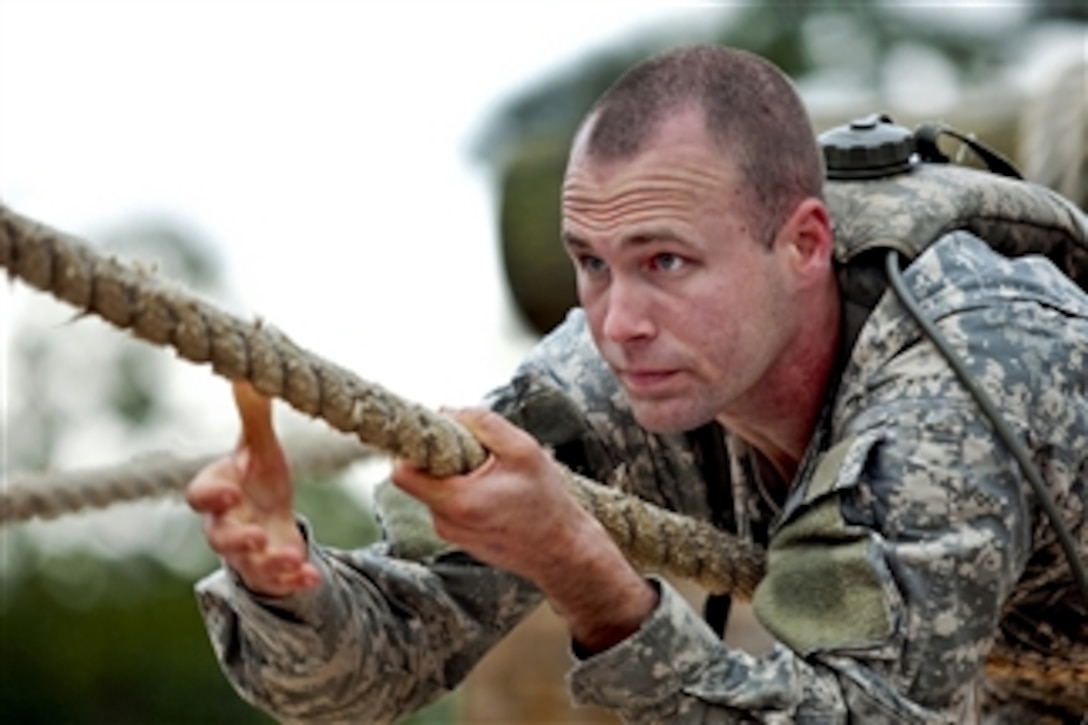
<point x="58" y="493"/>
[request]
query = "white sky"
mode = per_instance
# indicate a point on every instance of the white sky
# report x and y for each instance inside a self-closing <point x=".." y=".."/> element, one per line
<point x="321" y="146"/>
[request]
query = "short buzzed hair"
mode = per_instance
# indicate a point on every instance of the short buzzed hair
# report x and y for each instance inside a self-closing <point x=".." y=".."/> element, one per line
<point x="752" y="111"/>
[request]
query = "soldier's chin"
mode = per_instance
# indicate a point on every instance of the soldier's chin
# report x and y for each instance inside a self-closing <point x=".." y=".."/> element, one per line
<point x="663" y="418"/>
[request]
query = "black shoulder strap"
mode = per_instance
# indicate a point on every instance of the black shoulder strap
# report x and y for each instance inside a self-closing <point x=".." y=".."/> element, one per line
<point x="708" y="444"/>
<point x="927" y="135"/>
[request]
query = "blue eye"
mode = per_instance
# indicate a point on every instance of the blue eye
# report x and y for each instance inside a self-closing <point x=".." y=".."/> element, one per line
<point x="668" y="262"/>
<point x="591" y="265"/>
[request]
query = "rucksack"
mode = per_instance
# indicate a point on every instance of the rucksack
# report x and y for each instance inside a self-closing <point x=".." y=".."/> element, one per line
<point x="892" y="189"/>
<point x="893" y="192"/>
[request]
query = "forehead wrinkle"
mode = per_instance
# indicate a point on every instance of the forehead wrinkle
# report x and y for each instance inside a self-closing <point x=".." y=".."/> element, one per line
<point x="639" y="207"/>
<point x="630" y="210"/>
<point x="682" y="185"/>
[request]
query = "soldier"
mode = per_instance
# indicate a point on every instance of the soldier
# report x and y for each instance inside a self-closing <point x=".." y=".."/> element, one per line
<point x="716" y="370"/>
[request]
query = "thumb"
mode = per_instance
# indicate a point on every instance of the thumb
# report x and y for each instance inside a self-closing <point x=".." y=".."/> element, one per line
<point x="266" y="475"/>
<point x="255" y="412"/>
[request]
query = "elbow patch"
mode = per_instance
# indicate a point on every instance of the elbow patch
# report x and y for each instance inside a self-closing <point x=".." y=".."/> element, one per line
<point x="827" y="586"/>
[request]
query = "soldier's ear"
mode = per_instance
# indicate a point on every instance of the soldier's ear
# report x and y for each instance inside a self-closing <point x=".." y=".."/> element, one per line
<point x="807" y="234"/>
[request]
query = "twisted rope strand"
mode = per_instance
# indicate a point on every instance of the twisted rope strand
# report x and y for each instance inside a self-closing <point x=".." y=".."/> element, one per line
<point x="47" y="495"/>
<point x="165" y="315"/>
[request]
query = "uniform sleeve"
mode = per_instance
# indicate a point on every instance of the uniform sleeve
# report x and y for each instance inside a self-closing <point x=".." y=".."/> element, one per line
<point x="380" y="638"/>
<point x="675" y="669"/>
<point x="884" y="587"/>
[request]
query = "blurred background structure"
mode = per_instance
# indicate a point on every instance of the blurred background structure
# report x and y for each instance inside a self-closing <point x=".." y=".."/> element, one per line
<point x="380" y="180"/>
<point x="978" y="67"/>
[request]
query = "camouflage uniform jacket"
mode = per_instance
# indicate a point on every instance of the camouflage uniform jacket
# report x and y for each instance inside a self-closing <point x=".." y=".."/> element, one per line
<point x="908" y="544"/>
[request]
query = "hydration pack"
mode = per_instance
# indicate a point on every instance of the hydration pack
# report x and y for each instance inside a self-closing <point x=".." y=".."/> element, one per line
<point x="892" y="193"/>
<point x="892" y="189"/>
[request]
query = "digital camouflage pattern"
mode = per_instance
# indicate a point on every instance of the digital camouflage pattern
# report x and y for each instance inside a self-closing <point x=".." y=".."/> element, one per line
<point x="909" y="211"/>
<point x="909" y="542"/>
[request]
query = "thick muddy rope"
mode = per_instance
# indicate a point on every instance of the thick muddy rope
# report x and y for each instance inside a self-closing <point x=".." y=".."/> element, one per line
<point x="167" y="315"/>
<point x="49" y="494"/>
<point x="651" y="537"/>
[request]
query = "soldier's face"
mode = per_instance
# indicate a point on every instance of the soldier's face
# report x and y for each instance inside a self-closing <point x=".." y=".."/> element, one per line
<point x="689" y="310"/>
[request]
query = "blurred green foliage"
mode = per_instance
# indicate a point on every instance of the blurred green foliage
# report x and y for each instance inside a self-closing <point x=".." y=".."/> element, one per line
<point x="89" y="639"/>
<point x="138" y="656"/>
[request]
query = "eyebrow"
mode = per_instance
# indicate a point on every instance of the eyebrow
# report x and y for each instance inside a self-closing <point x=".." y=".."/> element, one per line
<point x="575" y="242"/>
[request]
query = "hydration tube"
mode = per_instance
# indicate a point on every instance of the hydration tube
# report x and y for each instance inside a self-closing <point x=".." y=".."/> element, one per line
<point x="1018" y="450"/>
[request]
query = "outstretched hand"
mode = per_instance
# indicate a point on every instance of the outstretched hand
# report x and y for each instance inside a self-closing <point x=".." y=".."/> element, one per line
<point x="247" y="500"/>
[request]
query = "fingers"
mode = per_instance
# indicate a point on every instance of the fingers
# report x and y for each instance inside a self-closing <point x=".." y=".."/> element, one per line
<point x="304" y="577"/>
<point x="421" y="484"/>
<point x="276" y="571"/>
<point x="231" y="538"/>
<point x="255" y="411"/>
<point x="510" y="510"/>
<point x="503" y="439"/>
<point x="494" y="432"/>
<point x="511" y="448"/>
<point x="417" y="483"/>
<point x="266" y="480"/>
<point x="216" y="488"/>
<point x="249" y="548"/>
